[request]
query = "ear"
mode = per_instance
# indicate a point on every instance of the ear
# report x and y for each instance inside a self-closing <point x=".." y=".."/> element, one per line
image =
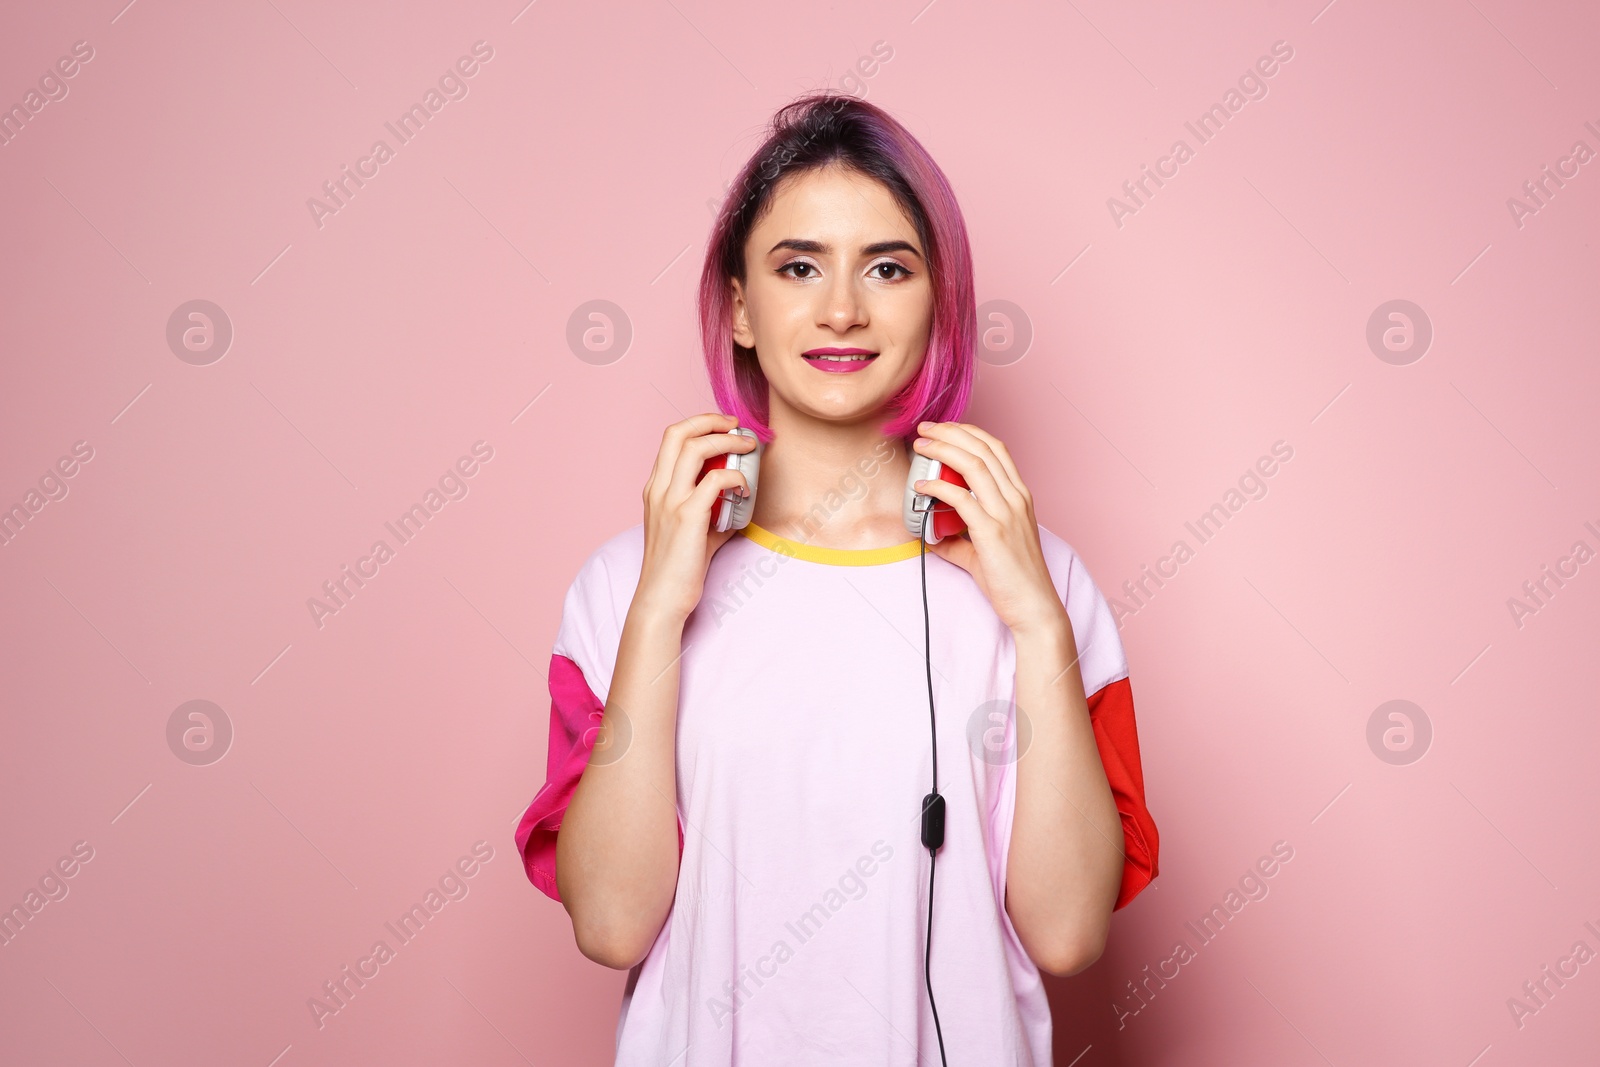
<point x="743" y="335"/>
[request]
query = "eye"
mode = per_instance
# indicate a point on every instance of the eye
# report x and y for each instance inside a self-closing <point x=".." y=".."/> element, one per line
<point x="892" y="265"/>
<point x="798" y="264"/>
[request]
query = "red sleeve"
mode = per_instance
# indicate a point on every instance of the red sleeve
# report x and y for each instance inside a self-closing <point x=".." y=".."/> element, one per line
<point x="1111" y="713"/>
<point x="575" y="715"/>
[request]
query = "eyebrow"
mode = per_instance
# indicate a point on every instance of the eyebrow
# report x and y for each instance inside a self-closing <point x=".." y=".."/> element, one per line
<point x="805" y="245"/>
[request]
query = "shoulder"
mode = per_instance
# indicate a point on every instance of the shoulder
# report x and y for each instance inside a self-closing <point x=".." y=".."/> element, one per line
<point x="621" y="552"/>
<point x="596" y="605"/>
<point x="1094" y="626"/>
<point x="615" y="561"/>
<point x="1067" y="570"/>
<point x="1055" y="549"/>
<point x="604" y="584"/>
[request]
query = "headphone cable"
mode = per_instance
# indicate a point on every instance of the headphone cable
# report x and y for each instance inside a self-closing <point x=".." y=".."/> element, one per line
<point x="933" y="803"/>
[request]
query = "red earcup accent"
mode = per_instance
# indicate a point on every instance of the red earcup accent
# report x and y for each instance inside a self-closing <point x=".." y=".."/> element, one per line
<point x="947" y="522"/>
<point x="716" y="463"/>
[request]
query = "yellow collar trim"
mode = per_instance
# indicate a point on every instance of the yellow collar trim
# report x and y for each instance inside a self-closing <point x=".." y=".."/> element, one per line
<point x="838" y="557"/>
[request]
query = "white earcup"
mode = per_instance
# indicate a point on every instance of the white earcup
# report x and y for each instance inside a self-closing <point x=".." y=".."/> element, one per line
<point x="734" y="511"/>
<point x="915" y="506"/>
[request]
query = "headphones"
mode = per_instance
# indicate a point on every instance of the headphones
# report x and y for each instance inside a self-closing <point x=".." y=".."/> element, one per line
<point x="930" y="521"/>
<point x="733" y="512"/>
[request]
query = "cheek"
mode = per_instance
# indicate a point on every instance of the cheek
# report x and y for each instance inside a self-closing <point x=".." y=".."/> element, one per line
<point x="784" y="370"/>
<point x="913" y="328"/>
<point x="912" y="320"/>
<point x="776" y="315"/>
<point x="770" y="366"/>
<point x="908" y="369"/>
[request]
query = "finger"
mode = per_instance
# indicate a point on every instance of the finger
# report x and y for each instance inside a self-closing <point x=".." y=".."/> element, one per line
<point x="970" y="467"/>
<point x="999" y="449"/>
<point x="959" y="433"/>
<point x="704" y="497"/>
<point x="965" y="504"/>
<point x="672" y="439"/>
<point x="692" y="458"/>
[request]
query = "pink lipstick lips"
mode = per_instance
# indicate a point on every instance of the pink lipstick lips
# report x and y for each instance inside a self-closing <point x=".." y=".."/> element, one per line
<point x="839" y="360"/>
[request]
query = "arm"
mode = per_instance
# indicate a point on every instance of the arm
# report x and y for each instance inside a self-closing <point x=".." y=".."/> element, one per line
<point x="1066" y="859"/>
<point x="617" y="851"/>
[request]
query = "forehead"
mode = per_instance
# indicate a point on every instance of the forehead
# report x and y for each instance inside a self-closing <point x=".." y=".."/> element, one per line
<point x="831" y="201"/>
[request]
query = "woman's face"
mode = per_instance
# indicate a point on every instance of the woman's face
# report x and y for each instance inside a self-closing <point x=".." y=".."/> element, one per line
<point x="834" y="266"/>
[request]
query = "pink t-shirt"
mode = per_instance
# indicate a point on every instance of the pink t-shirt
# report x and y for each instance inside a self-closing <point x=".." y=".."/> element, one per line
<point x="796" y="935"/>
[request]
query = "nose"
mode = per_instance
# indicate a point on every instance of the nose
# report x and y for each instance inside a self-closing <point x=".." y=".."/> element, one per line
<point x="842" y="307"/>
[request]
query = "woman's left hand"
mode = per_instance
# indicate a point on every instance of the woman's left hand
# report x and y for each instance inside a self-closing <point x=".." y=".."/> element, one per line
<point x="1000" y="547"/>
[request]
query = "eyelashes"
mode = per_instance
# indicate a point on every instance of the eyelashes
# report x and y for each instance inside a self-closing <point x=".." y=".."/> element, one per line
<point x="905" y="272"/>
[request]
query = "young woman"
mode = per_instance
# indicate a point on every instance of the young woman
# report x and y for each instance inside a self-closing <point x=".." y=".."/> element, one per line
<point x="740" y="736"/>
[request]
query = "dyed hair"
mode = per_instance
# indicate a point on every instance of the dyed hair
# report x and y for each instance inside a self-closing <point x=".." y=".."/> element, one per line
<point x="814" y="131"/>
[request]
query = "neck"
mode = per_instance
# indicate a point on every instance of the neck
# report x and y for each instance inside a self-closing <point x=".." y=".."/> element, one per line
<point x="832" y="484"/>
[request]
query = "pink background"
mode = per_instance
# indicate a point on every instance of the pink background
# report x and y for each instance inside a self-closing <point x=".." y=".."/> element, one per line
<point x="372" y="351"/>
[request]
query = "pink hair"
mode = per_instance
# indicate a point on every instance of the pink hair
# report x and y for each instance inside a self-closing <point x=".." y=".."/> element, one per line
<point x="813" y="131"/>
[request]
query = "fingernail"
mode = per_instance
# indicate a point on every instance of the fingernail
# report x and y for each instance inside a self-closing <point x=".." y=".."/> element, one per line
<point x="920" y="441"/>
<point x="920" y="482"/>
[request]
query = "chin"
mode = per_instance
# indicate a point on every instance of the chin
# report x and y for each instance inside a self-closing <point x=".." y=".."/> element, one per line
<point x="846" y="413"/>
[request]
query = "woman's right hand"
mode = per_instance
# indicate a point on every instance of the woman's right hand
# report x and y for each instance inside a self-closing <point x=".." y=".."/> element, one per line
<point x="678" y="541"/>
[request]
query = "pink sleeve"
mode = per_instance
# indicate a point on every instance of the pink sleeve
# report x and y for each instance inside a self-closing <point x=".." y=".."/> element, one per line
<point x="575" y="714"/>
